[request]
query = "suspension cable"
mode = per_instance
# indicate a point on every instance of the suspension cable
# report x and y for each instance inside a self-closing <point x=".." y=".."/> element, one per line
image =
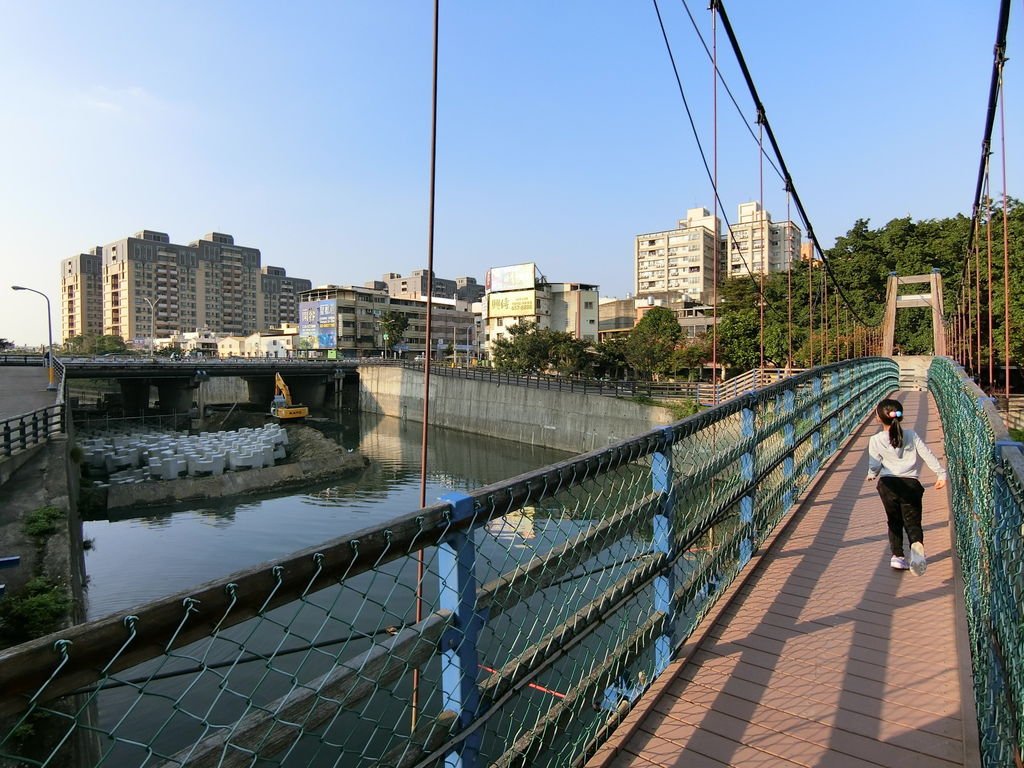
<point x="712" y="173"/>
<point x="420" y="563"/>
<point x="714" y="181"/>
<point x="787" y="176"/>
<point x="789" y="287"/>
<point x="764" y="236"/>
<point x="990" y="112"/>
<point x="725" y="85"/>
<point x="988" y="239"/>
<point x="1006" y="239"/>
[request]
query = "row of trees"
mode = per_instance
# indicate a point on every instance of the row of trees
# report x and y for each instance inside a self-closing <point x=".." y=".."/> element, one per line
<point x="798" y="305"/>
<point x="653" y="349"/>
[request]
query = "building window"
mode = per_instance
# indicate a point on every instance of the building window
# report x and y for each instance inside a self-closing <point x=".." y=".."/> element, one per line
<point x="588" y="305"/>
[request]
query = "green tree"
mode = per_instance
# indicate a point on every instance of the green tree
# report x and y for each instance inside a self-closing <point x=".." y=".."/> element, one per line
<point x="5" y="345"/>
<point x="652" y="342"/>
<point x="610" y="357"/>
<point x="522" y="349"/>
<point x="567" y="354"/>
<point x="691" y="356"/>
<point x="110" y="345"/>
<point x="393" y="326"/>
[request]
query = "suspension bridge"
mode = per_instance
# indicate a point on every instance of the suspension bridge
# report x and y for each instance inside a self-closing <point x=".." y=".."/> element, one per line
<point x="715" y="592"/>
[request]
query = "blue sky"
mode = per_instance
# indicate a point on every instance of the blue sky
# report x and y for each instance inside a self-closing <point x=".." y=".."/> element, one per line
<point x="304" y="131"/>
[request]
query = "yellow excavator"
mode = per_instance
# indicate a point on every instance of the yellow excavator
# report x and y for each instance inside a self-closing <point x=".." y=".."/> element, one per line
<point x="281" y="406"/>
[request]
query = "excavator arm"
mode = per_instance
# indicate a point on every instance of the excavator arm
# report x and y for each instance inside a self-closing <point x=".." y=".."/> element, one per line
<point x="280" y="388"/>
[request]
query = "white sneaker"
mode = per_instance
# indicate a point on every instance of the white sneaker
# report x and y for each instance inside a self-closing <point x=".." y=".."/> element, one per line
<point x="898" y="563"/>
<point x="918" y="562"/>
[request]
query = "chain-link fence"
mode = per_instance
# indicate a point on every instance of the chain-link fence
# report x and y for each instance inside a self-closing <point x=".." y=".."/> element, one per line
<point x="514" y="625"/>
<point x="986" y="472"/>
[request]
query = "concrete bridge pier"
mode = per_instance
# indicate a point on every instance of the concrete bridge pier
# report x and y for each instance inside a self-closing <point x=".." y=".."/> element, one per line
<point x="135" y="395"/>
<point x="176" y="395"/>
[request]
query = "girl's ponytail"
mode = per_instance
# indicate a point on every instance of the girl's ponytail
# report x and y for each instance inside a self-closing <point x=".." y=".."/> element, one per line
<point x="891" y="414"/>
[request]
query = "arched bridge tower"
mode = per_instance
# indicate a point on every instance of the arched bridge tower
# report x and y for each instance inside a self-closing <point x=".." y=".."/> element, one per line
<point x="933" y="299"/>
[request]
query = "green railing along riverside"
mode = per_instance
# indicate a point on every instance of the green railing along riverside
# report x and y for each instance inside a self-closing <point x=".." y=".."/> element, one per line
<point x="550" y="602"/>
<point x="987" y="481"/>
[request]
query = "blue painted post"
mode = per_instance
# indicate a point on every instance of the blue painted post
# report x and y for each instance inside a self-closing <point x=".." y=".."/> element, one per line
<point x="456" y="561"/>
<point x="747" y="431"/>
<point x="788" y="442"/>
<point x="816" y="435"/>
<point x="661" y="483"/>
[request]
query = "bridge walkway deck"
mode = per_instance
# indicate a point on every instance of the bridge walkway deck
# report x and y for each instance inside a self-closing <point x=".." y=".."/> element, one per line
<point x="823" y="655"/>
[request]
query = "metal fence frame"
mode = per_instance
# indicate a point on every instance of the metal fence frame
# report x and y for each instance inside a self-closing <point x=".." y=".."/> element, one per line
<point x="986" y="470"/>
<point x="18" y="433"/>
<point x="761" y="450"/>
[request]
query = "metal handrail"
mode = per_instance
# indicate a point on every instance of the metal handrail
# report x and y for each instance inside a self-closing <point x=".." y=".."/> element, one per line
<point x="757" y="452"/>
<point x="18" y="433"/>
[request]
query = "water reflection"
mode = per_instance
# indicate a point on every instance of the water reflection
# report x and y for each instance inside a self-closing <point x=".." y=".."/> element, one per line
<point x="145" y="553"/>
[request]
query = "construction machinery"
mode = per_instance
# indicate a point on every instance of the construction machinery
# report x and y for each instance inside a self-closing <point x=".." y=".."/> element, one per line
<point x="281" y="406"/>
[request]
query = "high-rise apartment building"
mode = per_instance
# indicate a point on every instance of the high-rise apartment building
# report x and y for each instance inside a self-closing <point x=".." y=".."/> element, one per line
<point x="680" y="260"/>
<point x="757" y="245"/>
<point x="81" y="294"/>
<point x="151" y="287"/>
<point x="277" y="301"/>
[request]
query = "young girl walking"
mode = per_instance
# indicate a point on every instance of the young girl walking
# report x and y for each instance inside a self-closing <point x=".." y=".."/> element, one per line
<point x="893" y="455"/>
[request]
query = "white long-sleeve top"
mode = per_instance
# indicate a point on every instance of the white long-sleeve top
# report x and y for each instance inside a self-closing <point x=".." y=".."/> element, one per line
<point x="887" y="461"/>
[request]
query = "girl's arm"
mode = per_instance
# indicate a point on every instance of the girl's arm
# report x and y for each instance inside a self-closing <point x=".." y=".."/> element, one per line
<point x="874" y="460"/>
<point x="929" y="458"/>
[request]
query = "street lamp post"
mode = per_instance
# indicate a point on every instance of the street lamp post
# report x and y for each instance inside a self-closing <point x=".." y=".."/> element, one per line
<point x="49" y="330"/>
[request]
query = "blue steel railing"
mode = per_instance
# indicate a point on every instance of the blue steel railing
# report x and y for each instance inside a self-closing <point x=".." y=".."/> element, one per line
<point x="548" y="603"/>
<point x="986" y="470"/>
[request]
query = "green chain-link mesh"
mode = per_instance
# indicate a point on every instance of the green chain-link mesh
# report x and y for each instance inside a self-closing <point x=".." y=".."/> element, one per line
<point x="987" y="488"/>
<point x="578" y="582"/>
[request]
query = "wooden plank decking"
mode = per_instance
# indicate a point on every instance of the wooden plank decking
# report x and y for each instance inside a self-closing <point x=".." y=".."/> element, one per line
<point x="823" y="655"/>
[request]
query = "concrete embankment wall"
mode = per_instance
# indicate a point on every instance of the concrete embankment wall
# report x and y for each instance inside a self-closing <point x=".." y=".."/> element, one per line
<point x="567" y="421"/>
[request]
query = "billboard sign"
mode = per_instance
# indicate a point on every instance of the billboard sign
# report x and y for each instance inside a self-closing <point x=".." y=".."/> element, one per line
<point x="512" y="304"/>
<point x="514" y="278"/>
<point x="318" y="324"/>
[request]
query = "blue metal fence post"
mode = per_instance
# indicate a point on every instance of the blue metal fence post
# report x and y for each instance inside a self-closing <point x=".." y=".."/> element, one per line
<point x="664" y="585"/>
<point x="788" y="442"/>
<point x="747" y="467"/>
<point x="456" y="563"/>
<point x="833" y="406"/>
<point x="815" y="462"/>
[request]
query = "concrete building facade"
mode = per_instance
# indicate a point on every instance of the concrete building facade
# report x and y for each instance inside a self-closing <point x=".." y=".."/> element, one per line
<point x="151" y="288"/>
<point x="81" y="294"/>
<point x="414" y="285"/>
<point x="277" y="302"/>
<point x="680" y="260"/>
<point x="619" y="316"/>
<point x="757" y="245"/>
<point x="519" y="293"/>
<point x="345" y="321"/>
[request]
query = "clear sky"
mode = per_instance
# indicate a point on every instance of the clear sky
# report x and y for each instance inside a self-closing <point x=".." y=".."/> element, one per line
<point x="303" y="129"/>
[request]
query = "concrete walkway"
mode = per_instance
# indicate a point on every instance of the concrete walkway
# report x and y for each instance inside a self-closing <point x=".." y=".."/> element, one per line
<point x="824" y="655"/>
<point x="23" y="390"/>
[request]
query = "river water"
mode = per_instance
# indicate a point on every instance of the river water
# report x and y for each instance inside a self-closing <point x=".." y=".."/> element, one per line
<point x="158" y="551"/>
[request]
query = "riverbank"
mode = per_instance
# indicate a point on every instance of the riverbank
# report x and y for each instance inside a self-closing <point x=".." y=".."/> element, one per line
<point x="313" y="458"/>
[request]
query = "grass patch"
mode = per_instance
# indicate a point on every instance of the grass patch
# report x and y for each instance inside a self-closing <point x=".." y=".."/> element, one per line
<point x="42" y="522"/>
<point x="35" y="610"/>
<point x="680" y="409"/>
<point x="1017" y="434"/>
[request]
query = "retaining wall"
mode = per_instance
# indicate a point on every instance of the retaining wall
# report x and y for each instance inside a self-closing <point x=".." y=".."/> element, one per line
<point x="567" y="421"/>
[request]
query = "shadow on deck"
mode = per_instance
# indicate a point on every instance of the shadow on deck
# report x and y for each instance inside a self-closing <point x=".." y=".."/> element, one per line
<point x="823" y="655"/>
